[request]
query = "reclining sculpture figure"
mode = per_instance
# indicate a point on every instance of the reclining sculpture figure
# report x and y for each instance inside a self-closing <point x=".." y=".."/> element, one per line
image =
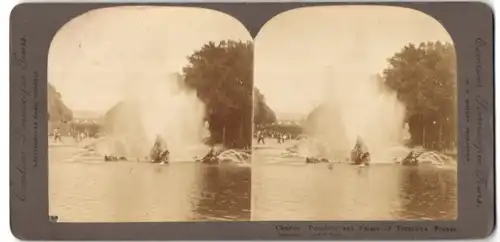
<point x="210" y="157"/>
<point x="114" y="158"/>
<point x="412" y="159"/>
<point x="314" y="160"/>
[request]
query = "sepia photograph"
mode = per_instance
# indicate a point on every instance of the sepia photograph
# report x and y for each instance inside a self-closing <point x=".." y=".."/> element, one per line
<point x="354" y="116"/>
<point x="150" y="116"/>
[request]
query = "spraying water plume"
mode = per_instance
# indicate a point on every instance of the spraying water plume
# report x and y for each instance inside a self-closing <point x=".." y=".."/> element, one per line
<point x="158" y="108"/>
<point x="161" y="120"/>
<point x="358" y="106"/>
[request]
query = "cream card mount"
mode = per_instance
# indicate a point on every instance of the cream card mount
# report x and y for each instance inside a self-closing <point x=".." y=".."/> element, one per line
<point x="245" y="121"/>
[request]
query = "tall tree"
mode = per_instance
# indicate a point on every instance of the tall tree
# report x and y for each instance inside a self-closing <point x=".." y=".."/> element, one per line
<point x="263" y="114"/>
<point x="221" y="73"/>
<point x="424" y="78"/>
<point x="57" y="110"/>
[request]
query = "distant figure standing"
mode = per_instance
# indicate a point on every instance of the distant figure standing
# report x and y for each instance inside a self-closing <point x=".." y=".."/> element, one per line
<point x="261" y="138"/>
<point x="278" y="137"/>
<point x="283" y="137"/>
<point x="57" y="136"/>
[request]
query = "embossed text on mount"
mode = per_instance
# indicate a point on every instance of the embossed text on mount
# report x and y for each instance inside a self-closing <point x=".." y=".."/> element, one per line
<point x="18" y="181"/>
<point x="480" y="43"/>
<point x="481" y="107"/>
<point x="35" y="116"/>
<point x="467" y="121"/>
<point x="412" y="229"/>
<point x="19" y="58"/>
<point x="287" y="230"/>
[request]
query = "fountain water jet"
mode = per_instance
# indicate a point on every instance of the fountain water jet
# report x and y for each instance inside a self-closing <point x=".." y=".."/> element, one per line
<point x="234" y="156"/>
<point x="359" y="106"/>
<point x="157" y="107"/>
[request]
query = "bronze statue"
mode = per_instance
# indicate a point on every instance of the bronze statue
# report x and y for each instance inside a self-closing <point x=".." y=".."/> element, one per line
<point x="360" y="154"/>
<point x="210" y="157"/>
<point x="159" y="153"/>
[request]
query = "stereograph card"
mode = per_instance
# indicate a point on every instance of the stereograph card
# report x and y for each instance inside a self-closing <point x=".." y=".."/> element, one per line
<point x="252" y="120"/>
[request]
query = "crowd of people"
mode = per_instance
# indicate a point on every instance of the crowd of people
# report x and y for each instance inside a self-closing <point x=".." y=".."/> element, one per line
<point x="280" y="137"/>
<point x="78" y="135"/>
<point x="359" y="154"/>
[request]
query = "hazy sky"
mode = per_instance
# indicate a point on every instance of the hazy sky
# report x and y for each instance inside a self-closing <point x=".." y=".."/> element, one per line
<point x="95" y="57"/>
<point x="297" y="51"/>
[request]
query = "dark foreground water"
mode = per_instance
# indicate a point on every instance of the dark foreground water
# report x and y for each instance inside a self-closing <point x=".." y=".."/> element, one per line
<point x="296" y="191"/>
<point x="89" y="190"/>
<point x="86" y="189"/>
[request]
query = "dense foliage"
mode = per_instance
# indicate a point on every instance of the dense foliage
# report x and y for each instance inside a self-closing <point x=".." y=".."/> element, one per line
<point x="263" y="114"/>
<point x="57" y="110"/>
<point x="222" y="75"/>
<point x="424" y="78"/>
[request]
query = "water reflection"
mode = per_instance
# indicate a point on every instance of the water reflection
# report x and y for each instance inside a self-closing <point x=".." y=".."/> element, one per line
<point x="428" y="193"/>
<point x="344" y="192"/>
<point x="224" y="193"/>
<point x="92" y="191"/>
